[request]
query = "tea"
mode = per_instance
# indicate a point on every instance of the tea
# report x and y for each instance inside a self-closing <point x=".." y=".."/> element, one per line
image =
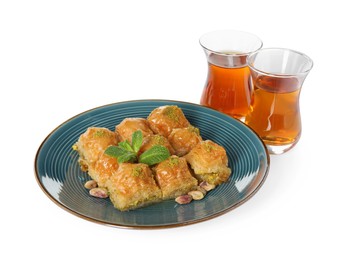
<point x="274" y="113"/>
<point x="228" y="90"/>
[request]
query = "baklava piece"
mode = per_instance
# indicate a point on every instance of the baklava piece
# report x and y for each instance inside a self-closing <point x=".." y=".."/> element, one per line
<point x="92" y="144"/>
<point x="103" y="169"/>
<point x="153" y="140"/>
<point x="164" y="119"/>
<point x="183" y="140"/>
<point x="133" y="186"/>
<point x="174" y="178"/>
<point x="209" y="162"/>
<point x="128" y="126"/>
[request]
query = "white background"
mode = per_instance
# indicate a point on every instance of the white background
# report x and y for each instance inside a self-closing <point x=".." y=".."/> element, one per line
<point x="60" y="58"/>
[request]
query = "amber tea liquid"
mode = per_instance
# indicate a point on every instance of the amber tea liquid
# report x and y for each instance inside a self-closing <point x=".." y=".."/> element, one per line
<point x="227" y="89"/>
<point x="274" y="113"/>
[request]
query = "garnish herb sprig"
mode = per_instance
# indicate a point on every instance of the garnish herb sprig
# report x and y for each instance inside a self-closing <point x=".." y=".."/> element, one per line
<point x="126" y="152"/>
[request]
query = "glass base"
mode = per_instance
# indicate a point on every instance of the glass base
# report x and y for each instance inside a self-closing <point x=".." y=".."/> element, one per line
<point x="279" y="149"/>
<point x="279" y="145"/>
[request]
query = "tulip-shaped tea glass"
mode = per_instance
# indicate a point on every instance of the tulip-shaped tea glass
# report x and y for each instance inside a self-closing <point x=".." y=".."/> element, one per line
<point x="228" y="86"/>
<point x="277" y="76"/>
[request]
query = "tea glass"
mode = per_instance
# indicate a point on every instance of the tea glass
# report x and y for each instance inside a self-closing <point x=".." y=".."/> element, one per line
<point x="277" y="75"/>
<point x="228" y="86"/>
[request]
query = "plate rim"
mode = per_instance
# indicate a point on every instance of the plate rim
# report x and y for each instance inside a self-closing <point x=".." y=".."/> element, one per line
<point x="159" y="226"/>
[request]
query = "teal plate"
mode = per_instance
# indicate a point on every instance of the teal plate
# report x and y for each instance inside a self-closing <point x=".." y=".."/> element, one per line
<point x="58" y="173"/>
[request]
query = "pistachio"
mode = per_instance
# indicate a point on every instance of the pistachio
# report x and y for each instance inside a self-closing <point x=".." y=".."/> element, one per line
<point x="90" y="184"/>
<point x="184" y="199"/>
<point x="202" y="190"/>
<point x="196" y="194"/>
<point x="207" y="186"/>
<point x="99" y="193"/>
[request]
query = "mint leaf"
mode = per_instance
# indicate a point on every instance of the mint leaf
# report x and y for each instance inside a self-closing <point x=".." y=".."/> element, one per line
<point x="154" y="155"/>
<point x="121" y="154"/>
<point x="127" y="157"/>
<point x="114" y="151"/>
<point x="137" y="140"/>
<point x="126" y="146"/>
